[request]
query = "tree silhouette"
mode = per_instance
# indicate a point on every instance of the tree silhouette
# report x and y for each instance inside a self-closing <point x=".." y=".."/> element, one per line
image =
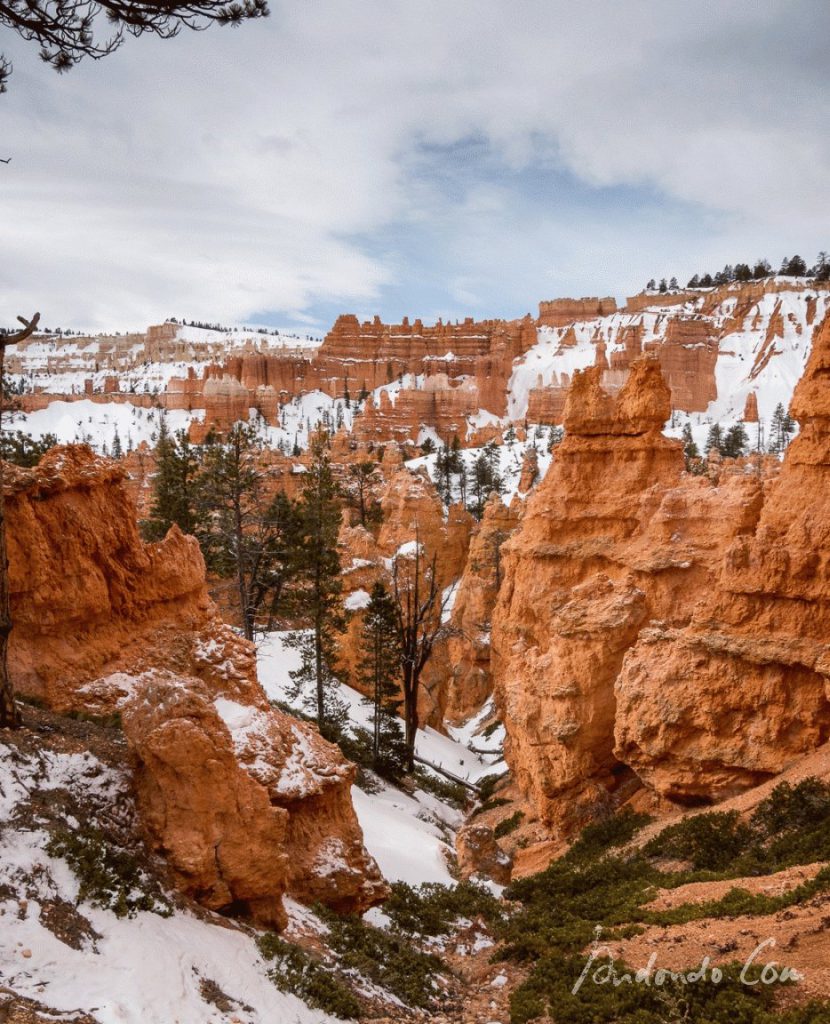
<point x="65" y="29"/>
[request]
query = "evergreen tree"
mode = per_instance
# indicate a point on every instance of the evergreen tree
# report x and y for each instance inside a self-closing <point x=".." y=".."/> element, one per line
<point x="781" y="428"/>
<point x="663" y="286"/>
<point x="319" y="578"/>
<point x="673" y="285"/>
<point x="743" y="272"/>
<point x="822" y="268"/>
<point x="117" y="450"/>
<point x="796" y="267"/>
<point x="379" y="670"/>
<point x="427" y="446"/>
<point x="714" y="438"/>
<point x="690" y="449"/>
<point x="761" y="269"/>
<point x="694" y="282"/>
<point x="735" y="442"/>
<point x="706" y="281"/>
<point x="174" y="486"/>
<point x="246" y="535"/>
<point x="359" y="494"/>
<point x="24" y="450"/>
<point x="482" y="479"/>
<point x="651" y="286"/>
<point x="555" y="438"/>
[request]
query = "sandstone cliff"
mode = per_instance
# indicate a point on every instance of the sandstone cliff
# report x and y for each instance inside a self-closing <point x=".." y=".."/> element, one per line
<point x="244" y="802"/>
<point x="616" y="538"/>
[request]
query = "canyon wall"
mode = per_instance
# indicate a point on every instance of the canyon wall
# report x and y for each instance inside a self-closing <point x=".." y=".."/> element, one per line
<point x="748" y="678"/>
<point x="616" y="539"/>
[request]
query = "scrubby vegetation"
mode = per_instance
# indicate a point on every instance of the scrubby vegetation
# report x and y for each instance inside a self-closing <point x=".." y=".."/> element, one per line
<point x="508" y="825"/>
<point x="596" y="884"/>
<point x="433" y="909"/>
<point x="297" y="972"/>
<point x="109" y="876"/>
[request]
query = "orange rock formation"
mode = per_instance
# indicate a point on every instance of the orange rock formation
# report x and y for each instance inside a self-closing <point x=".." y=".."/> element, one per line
<point x="616" y="539"/>
<point x="244" y="801"/>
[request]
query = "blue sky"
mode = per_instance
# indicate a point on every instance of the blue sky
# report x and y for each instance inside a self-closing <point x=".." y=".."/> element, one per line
<point x="421" y="158"/>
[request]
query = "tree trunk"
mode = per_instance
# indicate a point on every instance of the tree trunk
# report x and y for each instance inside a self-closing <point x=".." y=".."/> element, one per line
<point x="9" y="715"/>
<point x="410" y="719"/>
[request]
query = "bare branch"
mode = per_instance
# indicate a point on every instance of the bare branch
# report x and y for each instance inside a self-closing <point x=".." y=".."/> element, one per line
<point x="65" y="29"/>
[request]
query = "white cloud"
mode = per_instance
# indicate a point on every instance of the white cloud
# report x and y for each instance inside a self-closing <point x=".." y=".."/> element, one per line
<point x="510" y="151"/>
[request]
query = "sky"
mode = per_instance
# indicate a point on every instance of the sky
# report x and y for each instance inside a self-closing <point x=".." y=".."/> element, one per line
<point x="425" y="158"/>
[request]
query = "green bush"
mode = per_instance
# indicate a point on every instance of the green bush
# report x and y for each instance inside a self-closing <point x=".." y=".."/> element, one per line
<point x="599" y="837"/>
<point x="385" y="958"/>
<point x="452" y="793"/>
<point x="433" y="909"/>
<point x="490" y="805"/>
<point x="297" y="972"/>
<point x="508" y="825"/>
<point x="109" y="877"/>
<point x="558" y="910"/>
<point x="711" y="842"/>
<point x="487" y="784"/>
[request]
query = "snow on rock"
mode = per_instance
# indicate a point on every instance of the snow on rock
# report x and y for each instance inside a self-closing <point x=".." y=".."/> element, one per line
<point x="129" y="970"/>
<point x="356" y="601"/>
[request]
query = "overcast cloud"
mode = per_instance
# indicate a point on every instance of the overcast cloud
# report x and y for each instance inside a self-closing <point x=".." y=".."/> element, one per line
<point x="424" y="158"/>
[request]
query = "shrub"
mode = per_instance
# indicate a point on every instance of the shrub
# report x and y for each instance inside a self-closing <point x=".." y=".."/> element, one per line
<point x="508" y="825"/>
<point x="300" y="974"/>
<point x="490" y="805"/>
<point x="388" y="959"/>
<point x="109" y="877"/>
<point x="433" y="909"/>
<point x="710" y="841"/>
<point x="600" y="836"/>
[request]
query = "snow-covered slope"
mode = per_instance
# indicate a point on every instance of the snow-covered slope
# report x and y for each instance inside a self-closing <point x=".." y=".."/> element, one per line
<point x="409" y="836"/>
<point x="75" y="957"/>
<point x="765" y="354"/>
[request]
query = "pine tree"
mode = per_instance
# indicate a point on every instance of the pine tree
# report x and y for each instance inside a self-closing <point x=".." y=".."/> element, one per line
<point x="319" y="578"/>
<point x="482" y="479"/>
<point x="117" y="450"/>
<point x="651" y="286"/>
<point x="781" y="428"/>
<point x="694" y="282"/>
<point x="663" y="286"/>
<point x="246" y="535"/>
<point x="174" y="486"/>
<point x="379" y="670"/>
<point x="555" y="438"/>
<point x="359" y="494"/>
<point x="673" y="285"/>
<point x="736" y="441"/>
<point x="690" y="449"/>
<point x="714" y="439"/>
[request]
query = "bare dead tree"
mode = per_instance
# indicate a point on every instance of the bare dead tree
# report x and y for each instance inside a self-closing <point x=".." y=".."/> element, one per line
<point x="420" y="606"/>
<point x="65" y="29"/>
<point x="9" y="715"/>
